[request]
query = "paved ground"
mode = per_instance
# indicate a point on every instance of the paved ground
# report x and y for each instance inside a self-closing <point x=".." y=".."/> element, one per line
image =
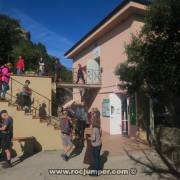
<point x="36" y="168"/>
<point x="117" y="144"/>
<point x="114" y="157"/>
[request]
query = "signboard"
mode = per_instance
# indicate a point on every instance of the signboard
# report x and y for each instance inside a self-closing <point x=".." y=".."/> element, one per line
<point x="106" y="108"/>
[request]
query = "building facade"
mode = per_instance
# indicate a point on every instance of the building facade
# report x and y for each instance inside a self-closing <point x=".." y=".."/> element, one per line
<point x="100" y="51"/>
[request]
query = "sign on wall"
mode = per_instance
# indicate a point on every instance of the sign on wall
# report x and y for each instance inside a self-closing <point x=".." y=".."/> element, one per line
<point x="106" y="108"/>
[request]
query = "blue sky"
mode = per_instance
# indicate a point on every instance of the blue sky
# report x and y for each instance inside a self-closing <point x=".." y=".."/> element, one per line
<point x="58" y="23"/>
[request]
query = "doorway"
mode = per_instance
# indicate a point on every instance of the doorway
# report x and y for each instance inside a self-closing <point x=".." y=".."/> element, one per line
<point x="115" y="114"/>
<point x="118" y="114"/>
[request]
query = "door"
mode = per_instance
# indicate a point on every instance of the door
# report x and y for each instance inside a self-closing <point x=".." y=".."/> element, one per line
<point x="93" y="72"/>
<point x="115" y="114"/>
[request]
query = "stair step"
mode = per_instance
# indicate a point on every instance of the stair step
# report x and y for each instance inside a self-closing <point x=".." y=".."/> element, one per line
<point x="22" y="138"/>
<point x="12" y="104"/>
<point x="19" y="110"/>
<point x="4" y="100"/>
<point x="35" y="117"/>
<point x="56" y="127"/>
<point x="28" y="114"/>
<point x="43" y="120"/>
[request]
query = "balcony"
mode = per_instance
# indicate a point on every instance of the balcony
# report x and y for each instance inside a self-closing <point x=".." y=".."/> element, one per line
<point x="92" y="79"/>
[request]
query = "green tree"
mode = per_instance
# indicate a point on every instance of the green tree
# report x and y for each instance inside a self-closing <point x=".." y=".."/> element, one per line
<point x="31" y="52"/>
<point x="153" y="57"/>
<point x="15" y="41"/>
<point x="153" y="66"/>
<point x="9" y="36"/>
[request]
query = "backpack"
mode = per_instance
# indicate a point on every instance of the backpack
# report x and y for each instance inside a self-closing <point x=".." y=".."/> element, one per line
<point x="65" y="126"/>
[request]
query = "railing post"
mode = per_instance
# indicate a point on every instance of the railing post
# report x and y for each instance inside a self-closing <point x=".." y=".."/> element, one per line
<point x="11" y="90"/>
<point x="49" y="108"/>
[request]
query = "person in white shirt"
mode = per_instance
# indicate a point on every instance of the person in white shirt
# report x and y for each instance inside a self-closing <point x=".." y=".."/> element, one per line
<point x="41" y="67"/>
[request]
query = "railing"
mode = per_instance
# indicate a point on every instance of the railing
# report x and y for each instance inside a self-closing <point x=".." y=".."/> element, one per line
<point x="39" y="99"/>
<point x="12" y="101"/>
<point x="91" y="76"/>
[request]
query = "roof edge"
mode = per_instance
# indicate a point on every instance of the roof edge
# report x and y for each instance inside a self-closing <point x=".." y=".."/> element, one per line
<point x="111" y="14"/>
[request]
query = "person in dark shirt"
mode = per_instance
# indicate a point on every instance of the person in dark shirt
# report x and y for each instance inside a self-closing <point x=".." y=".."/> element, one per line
<point x="26" y="93"/>
<point x="6" y="130"/>
<point x="80" y="74"/>
<point x="58" y="68"/>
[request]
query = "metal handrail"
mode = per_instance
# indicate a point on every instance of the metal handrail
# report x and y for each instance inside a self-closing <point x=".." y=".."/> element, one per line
<point x="89" y="73"/>
<point x="31" y="89"/>
<point x="49" y="101"/>
<point x="36" y="109"/>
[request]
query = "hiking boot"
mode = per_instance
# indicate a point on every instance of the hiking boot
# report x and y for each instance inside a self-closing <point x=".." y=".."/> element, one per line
<point x="64" y="157"/>
<point x="7" y="164"/>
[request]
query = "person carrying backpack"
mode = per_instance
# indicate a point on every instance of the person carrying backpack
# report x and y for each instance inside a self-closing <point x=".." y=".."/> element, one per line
<point x="66" y="135"/>
<point x="5" y="77"/>
<point x="6" y="130"/>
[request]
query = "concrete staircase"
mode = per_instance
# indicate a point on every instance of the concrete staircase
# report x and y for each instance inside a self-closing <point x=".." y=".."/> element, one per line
<point x="44" y="136"/>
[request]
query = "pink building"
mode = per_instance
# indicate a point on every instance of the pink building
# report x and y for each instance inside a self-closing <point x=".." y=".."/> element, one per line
<point x="100" y="51"/>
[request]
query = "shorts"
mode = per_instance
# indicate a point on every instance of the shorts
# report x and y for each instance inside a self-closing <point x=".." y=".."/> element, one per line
<point x="6" y="141"/>
<point x="66" y="140"/>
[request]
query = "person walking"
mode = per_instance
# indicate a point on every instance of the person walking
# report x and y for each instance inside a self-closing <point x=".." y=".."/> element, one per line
<point x="66" y="135"/>
<point x="20" y="65"/>
<point x="6" y="130"/>
<point x="5" y="77"/>
<point x="96" y="145"/>
<point x="80" y="74"/>
<point x="41" y="67"/>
